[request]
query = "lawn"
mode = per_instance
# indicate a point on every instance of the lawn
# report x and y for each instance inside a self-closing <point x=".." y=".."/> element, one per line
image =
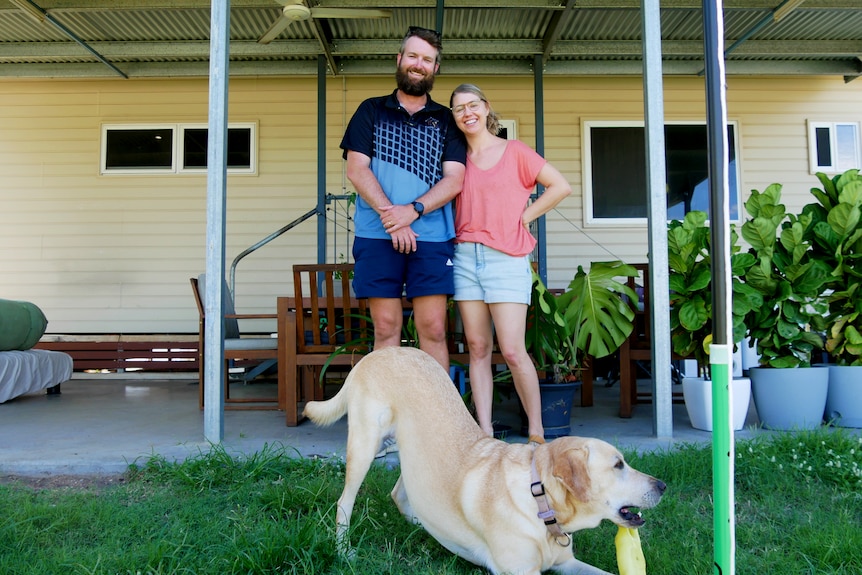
<point x="798" y="511"/>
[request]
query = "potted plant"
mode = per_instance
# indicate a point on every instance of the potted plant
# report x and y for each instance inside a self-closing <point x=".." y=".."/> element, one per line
<point x="787" y="326"/>
<point x="837" y="221"/>
<point x="690" y="282"/>
<point x="592" y="317"/>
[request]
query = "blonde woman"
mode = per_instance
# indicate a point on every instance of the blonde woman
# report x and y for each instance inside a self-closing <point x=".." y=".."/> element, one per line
<point x="493" y="278"/>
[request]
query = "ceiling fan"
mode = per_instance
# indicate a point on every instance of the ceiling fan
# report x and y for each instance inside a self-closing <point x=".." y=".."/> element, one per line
<point x="298" y="11"/>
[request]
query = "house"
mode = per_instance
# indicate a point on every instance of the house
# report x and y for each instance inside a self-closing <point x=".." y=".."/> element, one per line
<point x="105" y="242"/>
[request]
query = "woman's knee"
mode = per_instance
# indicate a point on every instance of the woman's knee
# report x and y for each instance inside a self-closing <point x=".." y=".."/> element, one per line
<point x="479" y="345"/>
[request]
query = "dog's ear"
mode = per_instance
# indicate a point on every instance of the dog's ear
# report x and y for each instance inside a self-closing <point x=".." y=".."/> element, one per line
<point x="570" y="468"/>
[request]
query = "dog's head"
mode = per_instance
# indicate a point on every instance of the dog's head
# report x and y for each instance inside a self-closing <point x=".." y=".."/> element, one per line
<point x="598" y="484"/>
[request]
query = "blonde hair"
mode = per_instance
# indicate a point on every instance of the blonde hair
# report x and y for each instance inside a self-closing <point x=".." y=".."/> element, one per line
<point x="493" y="123"/>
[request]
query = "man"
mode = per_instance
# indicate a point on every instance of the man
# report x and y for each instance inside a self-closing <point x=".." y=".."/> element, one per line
<point x="406" y="159"/>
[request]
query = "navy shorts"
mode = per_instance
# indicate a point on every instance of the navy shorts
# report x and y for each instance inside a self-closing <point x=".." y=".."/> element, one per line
<point x="382" y="271"/>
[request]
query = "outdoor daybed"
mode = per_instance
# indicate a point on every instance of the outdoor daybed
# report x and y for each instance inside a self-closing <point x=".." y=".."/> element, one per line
<point x="22" y="369"/>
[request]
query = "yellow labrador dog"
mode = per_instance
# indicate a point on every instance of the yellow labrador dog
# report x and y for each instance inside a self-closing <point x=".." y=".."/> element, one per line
<point x="507" y="507"/>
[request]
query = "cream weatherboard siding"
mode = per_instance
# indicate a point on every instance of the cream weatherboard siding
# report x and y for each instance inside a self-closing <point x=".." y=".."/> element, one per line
<point x="113" y="254"/>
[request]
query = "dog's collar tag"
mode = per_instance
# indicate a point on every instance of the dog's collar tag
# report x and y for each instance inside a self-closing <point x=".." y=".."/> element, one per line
<point x="546" y="514"/>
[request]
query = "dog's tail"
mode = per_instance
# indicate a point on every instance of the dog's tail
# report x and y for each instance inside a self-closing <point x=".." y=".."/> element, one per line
<point x="327" y="412"/>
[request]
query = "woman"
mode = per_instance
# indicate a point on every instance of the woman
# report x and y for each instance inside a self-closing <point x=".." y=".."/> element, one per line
<point x="493" y="277"/>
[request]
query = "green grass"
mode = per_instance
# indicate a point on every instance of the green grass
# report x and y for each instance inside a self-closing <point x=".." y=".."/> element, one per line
<point x="799" y="511"/>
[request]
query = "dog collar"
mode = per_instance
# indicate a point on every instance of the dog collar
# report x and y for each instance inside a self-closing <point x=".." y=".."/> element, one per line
<point x="546" y="514"/>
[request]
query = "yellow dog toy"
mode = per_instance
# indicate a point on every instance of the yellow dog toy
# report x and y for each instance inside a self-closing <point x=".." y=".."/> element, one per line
<point x="630" y="556"/>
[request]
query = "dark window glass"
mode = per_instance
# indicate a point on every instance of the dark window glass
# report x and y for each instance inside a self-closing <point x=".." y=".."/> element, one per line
<point x="619" y="172"/>
<point x="618" y="157"/>
<point x="238" y="148"/>
<point x="824" y="149"/>
<point x="139" y="149"/>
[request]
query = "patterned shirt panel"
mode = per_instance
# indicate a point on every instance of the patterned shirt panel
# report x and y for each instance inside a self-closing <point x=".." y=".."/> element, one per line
<point x="405" y="143"/>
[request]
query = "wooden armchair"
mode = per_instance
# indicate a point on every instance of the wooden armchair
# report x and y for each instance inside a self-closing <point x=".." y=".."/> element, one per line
<point x="638" y="348"/>
<point x="261" y="351"/>
<point x="319" y="319"/>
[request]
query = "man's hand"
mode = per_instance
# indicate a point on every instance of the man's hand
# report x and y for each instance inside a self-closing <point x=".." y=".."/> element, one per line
<point x="396" y="221"/>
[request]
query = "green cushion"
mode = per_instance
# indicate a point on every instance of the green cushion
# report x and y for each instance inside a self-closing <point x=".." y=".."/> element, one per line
<point x="21" y="325"/>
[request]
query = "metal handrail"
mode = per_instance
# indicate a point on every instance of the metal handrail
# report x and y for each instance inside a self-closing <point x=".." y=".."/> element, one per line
<point x="329" y="198"/>
<point x="263" y="242"/>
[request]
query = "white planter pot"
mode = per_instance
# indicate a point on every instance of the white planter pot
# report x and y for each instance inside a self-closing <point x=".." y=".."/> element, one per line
<point x="790" y="399"/>
<point x="844" y="399"/>
<point x="697" y="394"/>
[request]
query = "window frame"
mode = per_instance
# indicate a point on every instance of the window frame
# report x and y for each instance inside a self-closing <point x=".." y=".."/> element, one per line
<point x="511" y="127"/>
<point x="814" y="165"/>
<point x="587" y="168"/>
<point x="177" y="148"/>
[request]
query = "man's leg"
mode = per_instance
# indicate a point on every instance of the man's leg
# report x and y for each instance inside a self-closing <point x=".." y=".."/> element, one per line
<point x="430" y="316"/>
<point x="387" y="316"/>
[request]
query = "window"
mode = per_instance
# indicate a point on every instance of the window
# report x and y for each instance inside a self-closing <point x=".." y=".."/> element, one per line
<point x="833" y="146"/>
<point x="139" y="149"/>
<point x="508" y="130"/>
<point x="615" y="171"/>
<point x="173" y="148"/>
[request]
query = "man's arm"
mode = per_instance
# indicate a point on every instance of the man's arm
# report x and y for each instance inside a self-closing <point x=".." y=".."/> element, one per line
<point x="440" y="194"/>
<point x="360" y="175"/>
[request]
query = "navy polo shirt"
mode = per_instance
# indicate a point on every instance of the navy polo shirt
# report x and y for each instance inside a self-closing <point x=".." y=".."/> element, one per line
<point x="407" y="154"/>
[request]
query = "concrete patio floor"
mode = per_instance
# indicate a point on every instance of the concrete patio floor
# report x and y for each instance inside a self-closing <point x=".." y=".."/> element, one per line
<point x="101" y="424"/>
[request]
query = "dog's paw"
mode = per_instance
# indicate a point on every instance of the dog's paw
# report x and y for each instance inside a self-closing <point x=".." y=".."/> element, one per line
<point x="346" y="552"/>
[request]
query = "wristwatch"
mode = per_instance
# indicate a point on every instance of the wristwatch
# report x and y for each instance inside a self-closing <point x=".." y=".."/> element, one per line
<point x="420" y="208"/>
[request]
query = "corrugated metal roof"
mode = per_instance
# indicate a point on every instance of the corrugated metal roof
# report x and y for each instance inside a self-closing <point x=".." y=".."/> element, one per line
<point x="482" y="37"/>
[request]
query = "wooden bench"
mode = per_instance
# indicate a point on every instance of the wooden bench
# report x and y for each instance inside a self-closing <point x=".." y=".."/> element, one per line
<point x="126" y="352"/>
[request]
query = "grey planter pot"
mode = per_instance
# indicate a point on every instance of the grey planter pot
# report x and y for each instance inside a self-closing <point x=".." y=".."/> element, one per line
<point x="844" y="400"/>
<point x="790" y="399"/>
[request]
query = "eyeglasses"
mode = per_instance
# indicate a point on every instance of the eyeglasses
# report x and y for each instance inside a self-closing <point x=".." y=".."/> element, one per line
<point x="423" y="32"/>
<point x="473" y="106"/>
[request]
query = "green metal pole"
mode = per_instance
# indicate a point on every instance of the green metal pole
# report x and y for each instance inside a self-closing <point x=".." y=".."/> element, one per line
<point x="720" y="357"/>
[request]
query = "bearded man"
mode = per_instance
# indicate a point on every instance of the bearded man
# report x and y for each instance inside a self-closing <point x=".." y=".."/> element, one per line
<point x="406" y="159"/>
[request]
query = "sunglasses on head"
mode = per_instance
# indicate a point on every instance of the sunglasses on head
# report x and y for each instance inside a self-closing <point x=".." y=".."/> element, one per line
<point x="420" y="31"/>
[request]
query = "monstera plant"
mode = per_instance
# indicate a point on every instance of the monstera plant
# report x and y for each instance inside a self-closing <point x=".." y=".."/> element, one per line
<point x="593" y="316"/>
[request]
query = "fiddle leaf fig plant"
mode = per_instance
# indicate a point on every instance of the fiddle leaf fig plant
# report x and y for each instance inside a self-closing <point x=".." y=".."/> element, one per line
<point x="690" y="282"/>
<point x="837" y="218"/>
<point x="789" y="277"/>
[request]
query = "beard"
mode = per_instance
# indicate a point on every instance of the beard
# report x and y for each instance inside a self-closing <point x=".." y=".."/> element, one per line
<point x="413" y="87"/>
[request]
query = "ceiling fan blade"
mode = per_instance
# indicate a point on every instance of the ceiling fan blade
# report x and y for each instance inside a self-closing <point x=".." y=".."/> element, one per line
<point x="320" y="12"/>
<point x="277" y="27"/>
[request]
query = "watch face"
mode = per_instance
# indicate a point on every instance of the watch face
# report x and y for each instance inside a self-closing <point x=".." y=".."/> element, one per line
<point x="419" y="207"/>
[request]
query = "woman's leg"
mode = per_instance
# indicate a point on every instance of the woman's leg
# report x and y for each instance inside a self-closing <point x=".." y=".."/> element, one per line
<point x="510" y="321"/>
<point x="477" y="331"/>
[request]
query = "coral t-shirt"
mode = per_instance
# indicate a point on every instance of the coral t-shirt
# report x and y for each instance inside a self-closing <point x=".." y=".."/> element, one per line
<point x="488" y="209"/>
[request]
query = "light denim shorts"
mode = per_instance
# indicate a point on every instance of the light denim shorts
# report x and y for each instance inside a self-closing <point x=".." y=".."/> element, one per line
<point x="489" y="275"/>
